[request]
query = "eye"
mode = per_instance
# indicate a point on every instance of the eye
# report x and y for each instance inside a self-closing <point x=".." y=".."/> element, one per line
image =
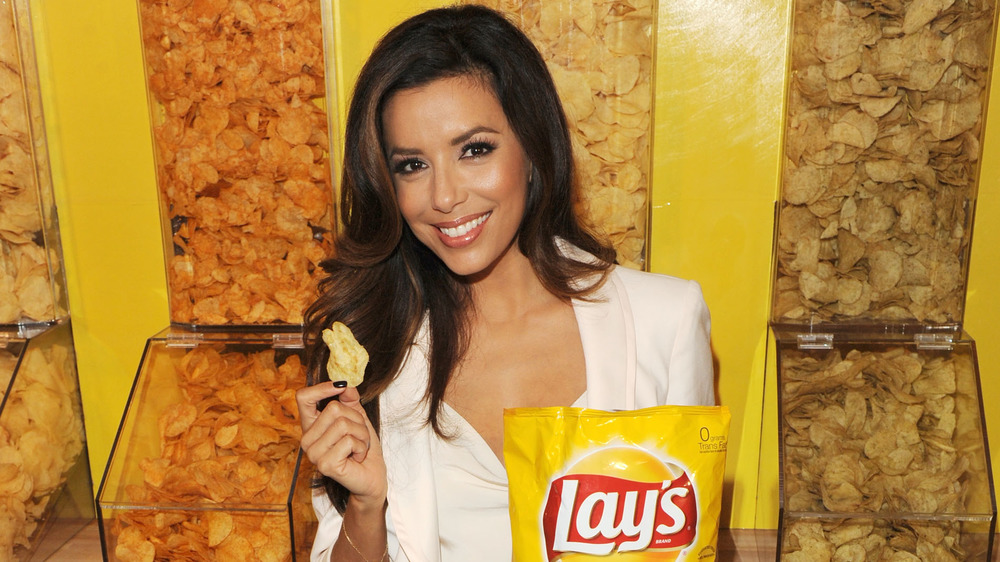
<point x="407" y="166"/>
<point x="476" y="149"/>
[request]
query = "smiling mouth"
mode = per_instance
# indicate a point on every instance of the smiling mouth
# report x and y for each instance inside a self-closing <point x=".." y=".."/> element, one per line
<point x="464" y="228"/>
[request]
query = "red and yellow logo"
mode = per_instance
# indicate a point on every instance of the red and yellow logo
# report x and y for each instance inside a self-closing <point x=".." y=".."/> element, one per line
<point x="620" y="503"/>
<point x="623" y="486"/>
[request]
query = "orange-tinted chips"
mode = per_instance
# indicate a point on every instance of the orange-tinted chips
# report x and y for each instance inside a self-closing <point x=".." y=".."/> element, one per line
<point x="226" y="464"/>
<point x="242" y="155"/>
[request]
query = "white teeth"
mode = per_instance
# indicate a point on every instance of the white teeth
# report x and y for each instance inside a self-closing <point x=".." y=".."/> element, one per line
<point x="463" y="229"/>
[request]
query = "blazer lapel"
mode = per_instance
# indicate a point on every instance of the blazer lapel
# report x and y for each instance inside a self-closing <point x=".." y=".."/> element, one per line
<point x="603" y="332"/>
<point x="406" y="440"/>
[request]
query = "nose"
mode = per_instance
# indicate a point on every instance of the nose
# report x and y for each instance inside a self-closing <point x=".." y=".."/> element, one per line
<point x="446" y="190"/>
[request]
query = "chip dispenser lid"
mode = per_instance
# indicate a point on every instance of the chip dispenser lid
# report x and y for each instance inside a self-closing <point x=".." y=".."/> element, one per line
<point x="209" y="440"/>
<point x="883" y="130"/>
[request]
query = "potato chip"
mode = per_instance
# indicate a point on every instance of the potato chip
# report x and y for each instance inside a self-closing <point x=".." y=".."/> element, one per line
<point x="220" y="525"/>
<point x="348" y="358"/>
<point x="922" y="12"/>
<point x="133" y="547"/>
<point x="177" y="419"/>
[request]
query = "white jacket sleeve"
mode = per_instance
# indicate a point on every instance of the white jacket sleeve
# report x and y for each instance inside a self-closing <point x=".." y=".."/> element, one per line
<point x="329" y="526"/>
<point x="673" y="335"/>
<point x="692" y="375"/>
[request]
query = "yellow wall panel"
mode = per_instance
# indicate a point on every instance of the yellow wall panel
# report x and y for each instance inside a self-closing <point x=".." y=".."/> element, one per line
<point x="719" y="91"/>
<point x="98" y="128"/>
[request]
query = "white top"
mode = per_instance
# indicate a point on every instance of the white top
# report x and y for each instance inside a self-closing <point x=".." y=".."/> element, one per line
<point x="655" y="353"/>
<point x="473" y="516"/>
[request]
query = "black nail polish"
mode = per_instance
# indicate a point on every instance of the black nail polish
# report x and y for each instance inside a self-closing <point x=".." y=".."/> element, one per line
<point x="340" y="384"/>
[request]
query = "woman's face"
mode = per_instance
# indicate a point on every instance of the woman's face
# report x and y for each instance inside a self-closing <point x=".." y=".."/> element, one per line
<point x="460" y="173"/>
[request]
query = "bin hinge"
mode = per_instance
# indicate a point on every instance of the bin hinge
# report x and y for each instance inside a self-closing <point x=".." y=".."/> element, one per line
<point x="944" y="342"/>
<point x="287" y="341"/>
<point x="815" y="341"/>
<point x="184" y="340"/>
<point x="24" y="332"/>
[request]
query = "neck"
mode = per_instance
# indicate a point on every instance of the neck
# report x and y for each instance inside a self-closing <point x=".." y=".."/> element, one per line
<point x="508" y="289"/>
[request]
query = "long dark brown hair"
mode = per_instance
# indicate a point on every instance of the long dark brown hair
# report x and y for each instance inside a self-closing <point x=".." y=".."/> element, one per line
<point x="383" y="283"/>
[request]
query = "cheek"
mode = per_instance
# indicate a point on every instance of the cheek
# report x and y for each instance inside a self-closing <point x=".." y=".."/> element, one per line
<point x="407" y="203"/>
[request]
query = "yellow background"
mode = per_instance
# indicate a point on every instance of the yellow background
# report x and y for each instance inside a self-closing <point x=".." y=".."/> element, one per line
<point x="720" y="86"/>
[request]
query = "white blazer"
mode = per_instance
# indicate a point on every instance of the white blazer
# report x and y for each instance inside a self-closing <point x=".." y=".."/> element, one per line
<point x="656" y="352"/>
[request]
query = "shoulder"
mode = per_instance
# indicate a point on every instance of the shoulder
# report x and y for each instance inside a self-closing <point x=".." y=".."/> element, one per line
<point x="646" y="290"/>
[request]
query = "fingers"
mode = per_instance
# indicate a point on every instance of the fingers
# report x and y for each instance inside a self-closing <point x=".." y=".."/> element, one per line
<point x="339" y="440"/>
<point x="351" y="398"/>
<point x="350" y="447"/>
<point x="334" y="423"/>
<point x="340" y="430"/>
<point x="342" y="444"/>
<point x="310" y="398"/>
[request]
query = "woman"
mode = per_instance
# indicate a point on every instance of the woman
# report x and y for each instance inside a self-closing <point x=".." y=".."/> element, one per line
<point x="465" y="274"/>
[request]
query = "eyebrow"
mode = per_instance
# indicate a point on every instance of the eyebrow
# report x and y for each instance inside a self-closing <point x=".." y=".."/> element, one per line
<point x="454" y="142"/>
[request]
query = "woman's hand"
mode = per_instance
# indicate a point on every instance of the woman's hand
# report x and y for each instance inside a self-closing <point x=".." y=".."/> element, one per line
<point x="341" y="442"/>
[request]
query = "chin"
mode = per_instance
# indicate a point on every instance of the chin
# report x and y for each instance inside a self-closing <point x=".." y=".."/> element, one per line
<point x="465" y="269"/>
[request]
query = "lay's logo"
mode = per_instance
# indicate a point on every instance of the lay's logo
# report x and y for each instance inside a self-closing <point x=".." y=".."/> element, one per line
<point x="618" y="502"/>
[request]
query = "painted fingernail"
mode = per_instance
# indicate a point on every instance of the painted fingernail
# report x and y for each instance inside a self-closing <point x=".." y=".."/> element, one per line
<point x="340" y="384"/>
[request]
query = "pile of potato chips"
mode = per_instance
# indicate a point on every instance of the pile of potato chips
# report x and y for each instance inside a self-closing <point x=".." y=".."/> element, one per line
<point x="885" y="113"/>
<point x="600" y="56"/>
<point x="225" y="467"/>
<point x="878" y="431"/>
<point x="41" y="438"/>
<point x="27" y="287"/>
<point x="242" y="154"/>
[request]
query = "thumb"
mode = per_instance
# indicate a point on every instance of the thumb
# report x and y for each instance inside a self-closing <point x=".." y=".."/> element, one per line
<point x="351" y="398"/>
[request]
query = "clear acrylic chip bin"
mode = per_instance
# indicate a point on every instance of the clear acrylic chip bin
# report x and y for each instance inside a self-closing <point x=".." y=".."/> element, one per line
<point x="206" y="463"/>
<point x="46" y="491"/>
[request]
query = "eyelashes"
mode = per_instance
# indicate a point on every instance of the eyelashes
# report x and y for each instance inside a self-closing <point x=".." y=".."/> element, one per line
<point x="477" y="148"/>
<point x="474" y="149"/>
<point x="407" y="166"/>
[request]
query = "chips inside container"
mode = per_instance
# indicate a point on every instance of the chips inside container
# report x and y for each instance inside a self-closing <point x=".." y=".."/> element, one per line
<point x="242" y="150"/>
<point x="46" y="492"/>
<point x="883" y="450"/>
<point x="883" y="135"/>
<point x="32" y="281"/>
<point x="206" y="464"/>
<point x="626" y="485"/>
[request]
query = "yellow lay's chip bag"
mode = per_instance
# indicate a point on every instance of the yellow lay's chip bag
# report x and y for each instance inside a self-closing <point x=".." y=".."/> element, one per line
<point x="642" y="485"/>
